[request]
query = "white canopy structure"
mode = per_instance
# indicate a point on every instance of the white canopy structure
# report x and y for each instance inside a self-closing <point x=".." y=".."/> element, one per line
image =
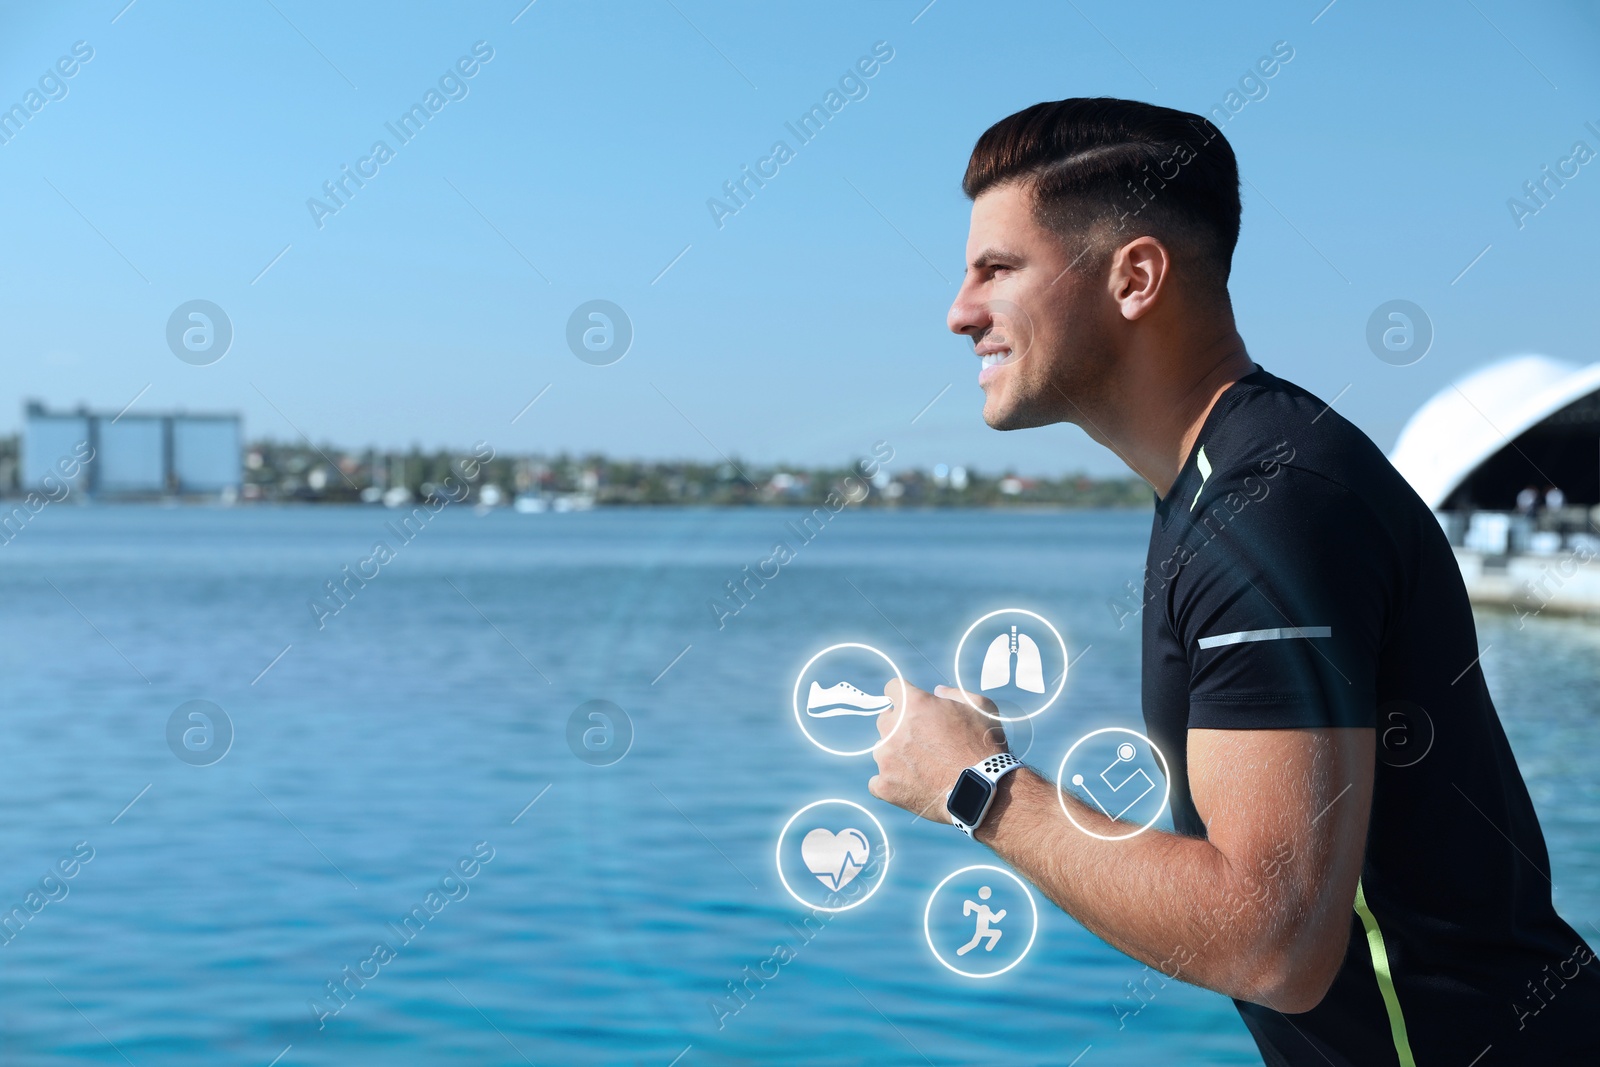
<point x="1524" y="420"/>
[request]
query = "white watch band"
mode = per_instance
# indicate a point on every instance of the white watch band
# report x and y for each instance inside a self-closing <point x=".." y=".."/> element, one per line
<point x="994" y="768"/>
<point x="997" y="766"/>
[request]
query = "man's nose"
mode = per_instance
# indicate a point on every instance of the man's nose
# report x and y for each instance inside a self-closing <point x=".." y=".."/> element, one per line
<point x="968" y="315"/>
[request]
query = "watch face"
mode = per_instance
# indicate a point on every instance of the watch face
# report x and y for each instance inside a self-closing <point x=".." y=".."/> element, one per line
<point x="970" y="794"/>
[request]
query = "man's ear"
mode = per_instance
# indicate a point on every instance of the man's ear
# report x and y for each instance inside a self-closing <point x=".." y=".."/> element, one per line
<point x="1139" y="273"/>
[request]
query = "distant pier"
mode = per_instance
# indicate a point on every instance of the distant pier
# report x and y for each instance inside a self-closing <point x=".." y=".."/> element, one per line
<point x="1508" y="458"/>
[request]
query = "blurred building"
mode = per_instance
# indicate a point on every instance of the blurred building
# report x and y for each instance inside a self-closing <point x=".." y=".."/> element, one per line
<point x="141" y="455"/>
<point x="1508" y="457"/>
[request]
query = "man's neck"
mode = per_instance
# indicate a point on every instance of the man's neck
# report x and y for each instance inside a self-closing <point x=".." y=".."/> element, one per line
<point x="1164" y="404"/>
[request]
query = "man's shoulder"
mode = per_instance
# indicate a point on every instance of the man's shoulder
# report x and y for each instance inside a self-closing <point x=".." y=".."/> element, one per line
<point x="1271" y="425"/>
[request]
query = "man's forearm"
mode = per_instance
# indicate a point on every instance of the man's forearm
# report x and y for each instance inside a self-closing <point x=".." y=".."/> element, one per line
<point x="1175" y="902"/>
<point x="1260" y="909"/>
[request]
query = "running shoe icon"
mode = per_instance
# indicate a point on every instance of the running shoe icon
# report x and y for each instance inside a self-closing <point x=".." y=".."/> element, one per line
<point x="843" y="699"/>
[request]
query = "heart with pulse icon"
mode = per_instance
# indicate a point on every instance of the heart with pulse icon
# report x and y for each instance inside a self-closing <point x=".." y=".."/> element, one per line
<point x="835" y="858"/>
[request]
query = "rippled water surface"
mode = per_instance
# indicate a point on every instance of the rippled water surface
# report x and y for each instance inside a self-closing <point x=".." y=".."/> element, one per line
<point x="416" y="726"/>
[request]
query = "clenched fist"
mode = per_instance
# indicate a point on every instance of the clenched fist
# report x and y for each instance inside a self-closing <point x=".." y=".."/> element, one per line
<point x="929" y="738"/>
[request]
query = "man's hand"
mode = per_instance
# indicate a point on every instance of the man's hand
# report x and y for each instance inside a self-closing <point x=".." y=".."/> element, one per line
<point x="940" y="734"/>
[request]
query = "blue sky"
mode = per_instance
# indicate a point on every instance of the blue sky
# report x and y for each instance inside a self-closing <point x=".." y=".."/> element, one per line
<point x="433" y="306"/>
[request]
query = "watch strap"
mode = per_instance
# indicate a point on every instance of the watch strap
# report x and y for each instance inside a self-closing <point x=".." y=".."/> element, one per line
<point x="997" y="766"/>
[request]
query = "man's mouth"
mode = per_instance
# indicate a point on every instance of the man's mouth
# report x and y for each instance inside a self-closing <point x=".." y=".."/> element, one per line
<point x="991" y="362"/>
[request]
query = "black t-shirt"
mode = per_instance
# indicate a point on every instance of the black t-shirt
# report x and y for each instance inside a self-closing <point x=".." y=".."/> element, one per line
<point x="1296" y="580"/>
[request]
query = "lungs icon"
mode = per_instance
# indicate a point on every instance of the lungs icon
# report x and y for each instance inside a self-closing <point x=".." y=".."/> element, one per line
<point x="997" y="663"/>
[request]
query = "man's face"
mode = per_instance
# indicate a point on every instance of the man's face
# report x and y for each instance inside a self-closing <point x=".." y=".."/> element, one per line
<point x="1029" y="303"/>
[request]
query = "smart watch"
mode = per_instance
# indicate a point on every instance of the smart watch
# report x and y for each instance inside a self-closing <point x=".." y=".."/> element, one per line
<point x="974" y="790"/>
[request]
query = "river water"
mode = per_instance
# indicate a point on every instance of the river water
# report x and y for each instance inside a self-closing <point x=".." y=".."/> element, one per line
<point x="381" y="751"/>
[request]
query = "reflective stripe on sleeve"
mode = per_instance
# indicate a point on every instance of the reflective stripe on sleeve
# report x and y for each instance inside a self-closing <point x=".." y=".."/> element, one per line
<point x="1278" y="633"/>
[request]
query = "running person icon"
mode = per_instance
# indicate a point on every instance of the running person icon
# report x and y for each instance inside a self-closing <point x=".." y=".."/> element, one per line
<point x="985" y="917"/>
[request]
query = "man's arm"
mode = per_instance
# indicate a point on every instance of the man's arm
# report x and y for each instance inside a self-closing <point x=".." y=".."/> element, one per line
<point x="1258" y="910"/>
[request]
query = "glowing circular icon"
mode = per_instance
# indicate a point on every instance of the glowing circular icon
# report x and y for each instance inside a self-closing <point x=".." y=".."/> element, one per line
<point x="987" y="932"/>
<point x="841" y="700"/>
<point x="1028" y="672"/>
<point x="1121" y="785"/>
<point x="840" y="857"/>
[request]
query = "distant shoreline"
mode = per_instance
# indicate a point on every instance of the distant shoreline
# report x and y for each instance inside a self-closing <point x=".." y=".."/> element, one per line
<point x="271" y="472"/>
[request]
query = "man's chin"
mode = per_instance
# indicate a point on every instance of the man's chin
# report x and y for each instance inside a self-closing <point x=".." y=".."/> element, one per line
<point x="1001" y="416"/>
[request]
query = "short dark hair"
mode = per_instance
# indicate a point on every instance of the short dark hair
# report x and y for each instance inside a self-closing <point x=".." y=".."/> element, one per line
<point x="1101" y="167"/>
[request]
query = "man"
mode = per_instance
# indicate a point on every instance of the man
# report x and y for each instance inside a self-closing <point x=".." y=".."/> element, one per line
<point x="1356" y="859"/>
